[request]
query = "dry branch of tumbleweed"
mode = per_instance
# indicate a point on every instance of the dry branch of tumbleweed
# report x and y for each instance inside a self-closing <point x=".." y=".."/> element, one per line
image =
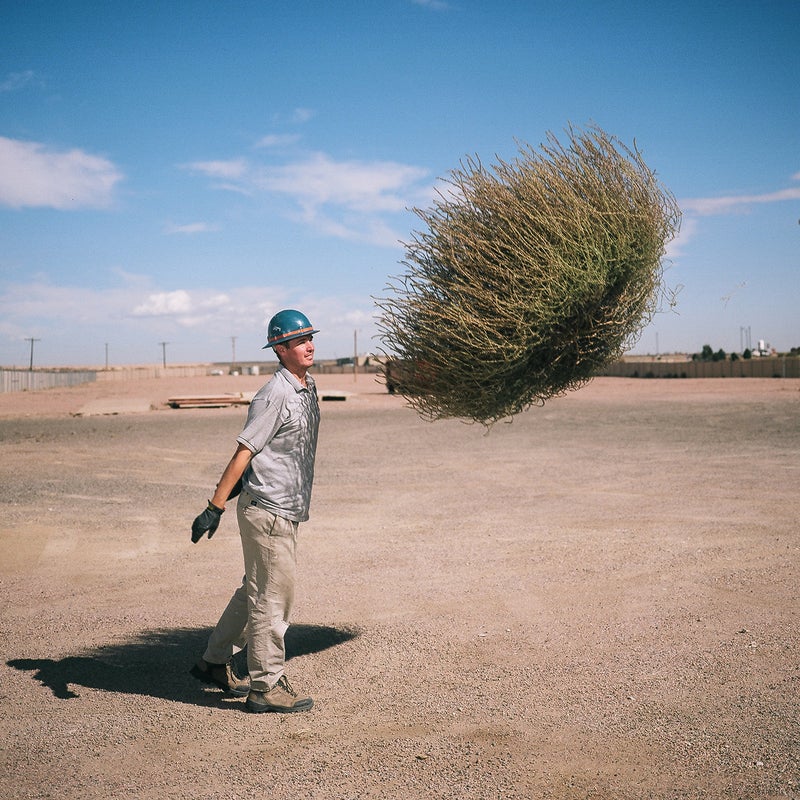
<point x="530" y="277"/>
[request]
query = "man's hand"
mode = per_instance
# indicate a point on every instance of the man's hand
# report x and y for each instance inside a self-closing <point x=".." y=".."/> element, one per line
<point x="207" y="522"/>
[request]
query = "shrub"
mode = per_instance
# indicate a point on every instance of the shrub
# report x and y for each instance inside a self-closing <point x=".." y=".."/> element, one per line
<point x="531" y="277"/>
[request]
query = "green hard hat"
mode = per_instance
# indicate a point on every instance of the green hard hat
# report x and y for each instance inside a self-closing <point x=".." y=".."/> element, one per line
<point x="288" y="324"/>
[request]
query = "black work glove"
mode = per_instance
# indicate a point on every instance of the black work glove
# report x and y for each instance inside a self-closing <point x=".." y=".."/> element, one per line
<point x="207" y="522"/>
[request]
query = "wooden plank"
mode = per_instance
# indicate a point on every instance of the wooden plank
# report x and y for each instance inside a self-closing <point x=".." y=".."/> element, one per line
<point x="209" y="400"/>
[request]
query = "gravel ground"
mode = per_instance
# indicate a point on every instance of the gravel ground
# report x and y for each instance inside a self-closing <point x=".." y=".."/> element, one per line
<point x="598" y="600"/>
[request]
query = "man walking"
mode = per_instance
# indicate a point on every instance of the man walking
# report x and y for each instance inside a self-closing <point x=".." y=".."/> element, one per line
<point x="274" y="464"/>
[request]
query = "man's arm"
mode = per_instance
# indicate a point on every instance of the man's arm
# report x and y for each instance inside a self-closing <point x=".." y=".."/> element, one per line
<point x="208" y="521"/>
<point x="235" y="469"/>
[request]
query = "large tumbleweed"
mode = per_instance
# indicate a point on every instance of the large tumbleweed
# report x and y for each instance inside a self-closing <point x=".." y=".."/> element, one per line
<point x="531" y="277"/>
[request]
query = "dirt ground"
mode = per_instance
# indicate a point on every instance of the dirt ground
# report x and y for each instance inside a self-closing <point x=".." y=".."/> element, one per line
<point x="598" y="600"/>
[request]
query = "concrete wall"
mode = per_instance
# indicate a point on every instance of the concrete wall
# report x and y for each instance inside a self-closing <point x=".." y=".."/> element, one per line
<point x="765" y="367"/>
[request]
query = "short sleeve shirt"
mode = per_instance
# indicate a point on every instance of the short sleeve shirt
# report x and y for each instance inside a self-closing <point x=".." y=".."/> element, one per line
<point x="281" y="431"/>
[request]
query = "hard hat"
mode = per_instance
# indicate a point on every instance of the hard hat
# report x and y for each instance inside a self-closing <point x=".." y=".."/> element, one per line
<point x="286" y="325"/>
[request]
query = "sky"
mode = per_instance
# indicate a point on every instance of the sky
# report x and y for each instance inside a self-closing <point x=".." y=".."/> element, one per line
<point x="172" y="174"/>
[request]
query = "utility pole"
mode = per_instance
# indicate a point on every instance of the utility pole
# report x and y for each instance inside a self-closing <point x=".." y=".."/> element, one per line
<point x="355" y="355"/>
<point x="32" y="340"/>
<point x="106" y="356"/>
<point x="233" y="354"/>
<point x="164" y="353"/>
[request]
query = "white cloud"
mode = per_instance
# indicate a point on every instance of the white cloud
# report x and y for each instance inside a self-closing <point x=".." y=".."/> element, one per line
<point x="34" y="176"/>
<point x="302" y="115"/>
<point x="675" y="247"/>
<point x="344" y="199"/>
<point x="67" y="319"/>
<point x="436" y="5"/>
<point x="217" y="313"/>
<point x="363" y="186"/>
<point x="355" y="318"/>
<point x="692" y="208"/>
<point x="40" y="303"/>
<point x="165" y="304"/>
<point x="17" y="80"/>
<point x="277" y="140"/>
<point x="133" y="317"/>
<point x="230" y="170"/>
<point x="712" y="206"/>
<point x="297" y="116"/>
<point x="215" y="301"/>
<point x="190" y="228"/>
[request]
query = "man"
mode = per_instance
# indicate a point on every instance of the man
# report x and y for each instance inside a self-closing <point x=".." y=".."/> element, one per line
<point x="274" y="460"/>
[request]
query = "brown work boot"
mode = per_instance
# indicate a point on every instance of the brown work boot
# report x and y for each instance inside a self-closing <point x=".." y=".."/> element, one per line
<point x="221" y="675"/>
<point x="280" y="698"/>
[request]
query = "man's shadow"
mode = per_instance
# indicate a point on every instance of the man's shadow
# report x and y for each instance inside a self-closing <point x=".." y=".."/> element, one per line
<point x="157" y="662"/>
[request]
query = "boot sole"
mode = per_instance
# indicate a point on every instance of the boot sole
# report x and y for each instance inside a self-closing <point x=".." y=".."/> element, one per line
<point x="207" y="677"/>
<point x="259" y="709"/>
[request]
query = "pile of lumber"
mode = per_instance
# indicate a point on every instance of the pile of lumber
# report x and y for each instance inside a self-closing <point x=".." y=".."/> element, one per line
<point x="211" y="400"/>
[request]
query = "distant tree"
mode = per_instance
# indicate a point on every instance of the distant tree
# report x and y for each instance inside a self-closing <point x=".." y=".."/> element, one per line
<point x="719" y="355"/>
<point x="748" y="353"/>
<point x="734" y="356"/>
<point x="707" y="354"/>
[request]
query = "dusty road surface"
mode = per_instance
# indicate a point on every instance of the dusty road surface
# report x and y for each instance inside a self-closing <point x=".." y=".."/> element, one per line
<point x="599" y="600"/>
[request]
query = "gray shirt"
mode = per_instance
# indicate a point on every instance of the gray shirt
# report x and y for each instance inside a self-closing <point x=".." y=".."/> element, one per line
<point x="281" y="430"/>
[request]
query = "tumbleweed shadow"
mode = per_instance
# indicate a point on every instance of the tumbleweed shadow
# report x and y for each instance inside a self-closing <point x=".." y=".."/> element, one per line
<point x="156" y="662"/>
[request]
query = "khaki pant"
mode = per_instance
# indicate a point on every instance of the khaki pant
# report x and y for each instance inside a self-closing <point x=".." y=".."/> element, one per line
<point x="258" y="613"/>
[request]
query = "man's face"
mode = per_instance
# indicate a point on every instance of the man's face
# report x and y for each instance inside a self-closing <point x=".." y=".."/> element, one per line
<point x="298" y="354"/>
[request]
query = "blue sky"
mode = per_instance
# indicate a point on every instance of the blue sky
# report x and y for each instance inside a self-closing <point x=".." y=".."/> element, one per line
<point x="178" y="171"/>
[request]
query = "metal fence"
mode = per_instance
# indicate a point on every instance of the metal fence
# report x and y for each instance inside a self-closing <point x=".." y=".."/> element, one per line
<point x="137" y="373"/>
<point x="12" y="380"/>
<point x="220" y="368"/>
<point x="19" y="380"/>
